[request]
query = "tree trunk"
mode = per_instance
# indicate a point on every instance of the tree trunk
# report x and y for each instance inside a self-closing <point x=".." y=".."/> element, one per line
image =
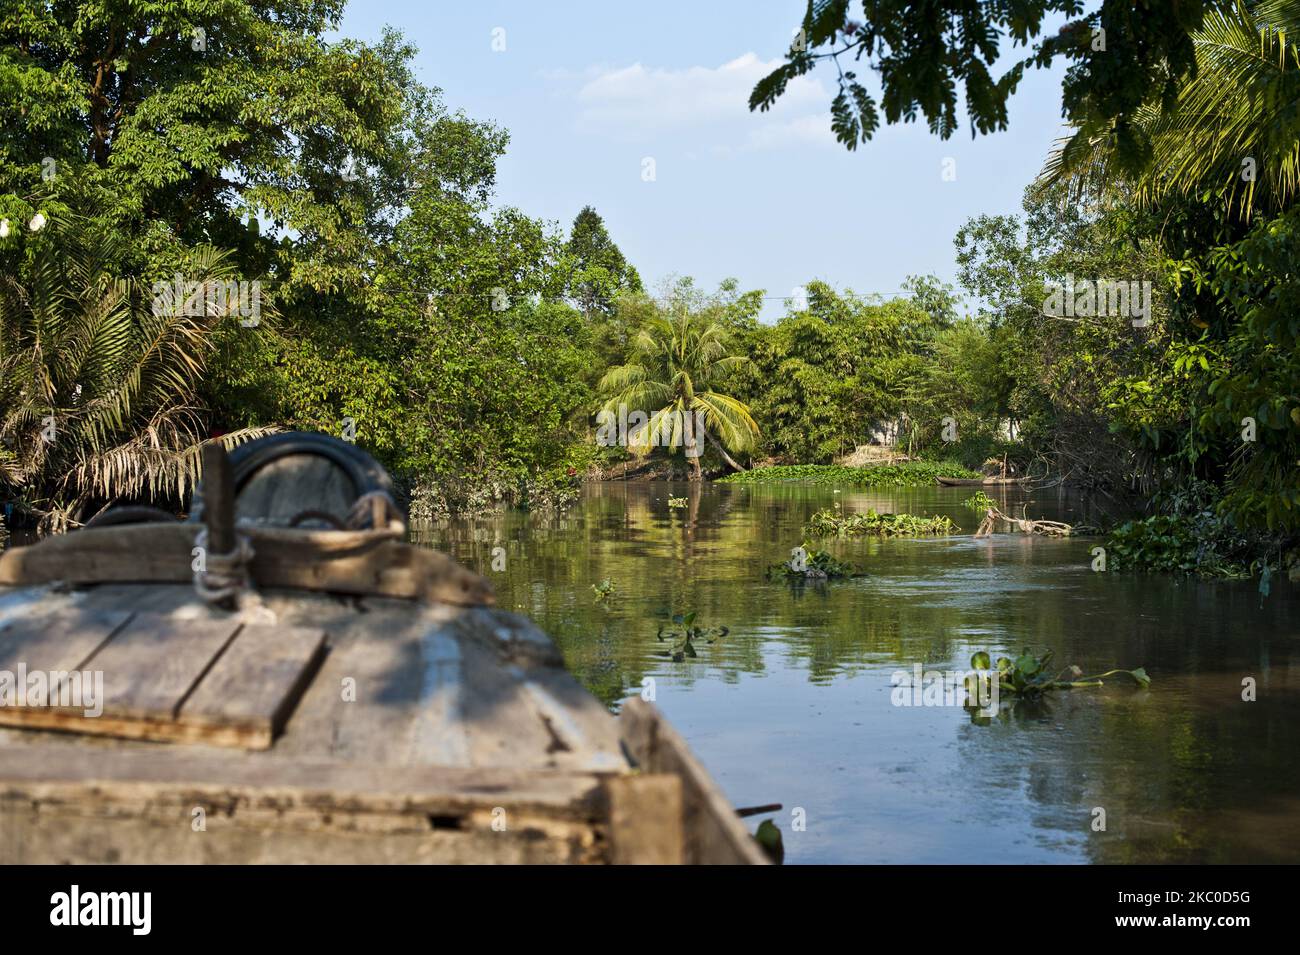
<point x="723" y="451"/>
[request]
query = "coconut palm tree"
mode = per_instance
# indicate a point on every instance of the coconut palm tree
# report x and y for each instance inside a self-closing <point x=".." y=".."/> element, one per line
<point x="1236" y="127"/>
<point x="672" y="369"/>
<point x="98" y="387"/>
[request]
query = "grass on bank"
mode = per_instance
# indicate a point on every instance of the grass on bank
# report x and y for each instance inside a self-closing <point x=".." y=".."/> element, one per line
<point x="905" y="474"/>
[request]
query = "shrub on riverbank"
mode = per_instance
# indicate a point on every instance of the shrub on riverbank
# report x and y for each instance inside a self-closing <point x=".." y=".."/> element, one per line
<point x="1192" y="535"/>
<point x="906" y="474"/>
<point x="827" y="523"/>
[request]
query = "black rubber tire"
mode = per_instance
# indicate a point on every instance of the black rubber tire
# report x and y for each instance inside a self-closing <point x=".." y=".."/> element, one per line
<point x="365" y="473"/>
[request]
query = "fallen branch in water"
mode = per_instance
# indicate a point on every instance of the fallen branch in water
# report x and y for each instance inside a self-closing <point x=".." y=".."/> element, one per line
<point x="993" y="516"/>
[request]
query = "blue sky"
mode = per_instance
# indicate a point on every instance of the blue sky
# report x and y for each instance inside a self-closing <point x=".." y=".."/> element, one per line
<point x="589" y="90"/>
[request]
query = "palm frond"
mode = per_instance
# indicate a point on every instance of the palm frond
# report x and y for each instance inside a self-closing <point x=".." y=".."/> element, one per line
<point x="97" y="387"/>
<point x="1235" y="131"/>
<point x="728" y="420"/>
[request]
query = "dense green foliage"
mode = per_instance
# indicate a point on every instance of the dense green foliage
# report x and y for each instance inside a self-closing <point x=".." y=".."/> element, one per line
<point x="96" y="388"/>
<point x="1215" y="410"/>
<point x="1191" y="535"/>
<point x="1123" y="57"/>
<point x="409" y="309"/>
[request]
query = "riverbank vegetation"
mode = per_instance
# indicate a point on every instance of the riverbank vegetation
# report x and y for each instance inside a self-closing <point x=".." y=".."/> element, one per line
<point x="470" y="346"/>
<point x="907" y="474"/>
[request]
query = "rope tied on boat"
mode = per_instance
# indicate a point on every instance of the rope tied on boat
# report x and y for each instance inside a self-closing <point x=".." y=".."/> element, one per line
<point x="222" y="576"/>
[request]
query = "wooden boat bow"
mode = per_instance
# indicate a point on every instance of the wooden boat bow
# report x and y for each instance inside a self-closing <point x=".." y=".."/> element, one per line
<point x="409" y="721"/>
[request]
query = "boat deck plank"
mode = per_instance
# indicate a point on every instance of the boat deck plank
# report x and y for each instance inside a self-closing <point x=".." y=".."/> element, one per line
<point x="400" y="683"/>
<point x="61" y="640"/>
<point x="255" y="683"/>
<point x="152" y="664"/>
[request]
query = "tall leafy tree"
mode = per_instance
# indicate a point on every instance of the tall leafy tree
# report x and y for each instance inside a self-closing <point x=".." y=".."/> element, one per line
<point x="599" y="272"/>
<point x="1219" y="195"/>
<point x="322" y="167"/>
<point x="1063" y="379"/>
<point x="826" y="376"/>
<point x="238" y="124"/>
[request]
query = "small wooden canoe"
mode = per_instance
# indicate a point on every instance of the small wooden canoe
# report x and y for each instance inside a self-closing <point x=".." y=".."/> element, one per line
<point x="981" y="482"/>
<point x="360" y="700"/>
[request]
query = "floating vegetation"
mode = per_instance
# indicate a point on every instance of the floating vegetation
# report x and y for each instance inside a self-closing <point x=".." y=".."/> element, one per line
<point x="905" y="474"/>
<point x="603" y="589"/>
<point x="677" y="501"/>
<point x="979" y="501"/>
<point x="682" y="642"/>
<point x="827" y="523"/>
<point x="805" y="564"/>
<point x="1027" y="677"/>
<point x="769" y="839"/>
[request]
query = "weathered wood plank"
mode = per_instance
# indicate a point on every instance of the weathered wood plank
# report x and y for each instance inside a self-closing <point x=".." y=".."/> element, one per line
<point x="152" y="665"/>
<point x="255" y="683"/>
<point x="364" y="702"/>
<point x="60" y="641"/>
<point x="27" y="601"/>
<point x="587" y="735"/>
<point x="714" y="834"/>
<point x="351" y="562"/>
<point x="136" y="778"/>
<point x="178" y="600"/>
<point x="66" y="804"/>
<point x="64" y="837"/>
<point x="437" y="733"/>
<point x="502" y="725"/>
<point x="645" y="820"/>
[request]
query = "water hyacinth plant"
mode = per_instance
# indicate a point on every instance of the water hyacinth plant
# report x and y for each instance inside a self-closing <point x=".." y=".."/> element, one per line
<point x="828" y="523"/>
<point x="1027" y="676"/>
<point x="806" y="564"/>
<point x="682" y="642"/>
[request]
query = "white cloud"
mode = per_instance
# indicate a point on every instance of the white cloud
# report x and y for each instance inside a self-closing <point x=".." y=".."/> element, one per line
<point x="813" y="129"/>
<point x="708" y="103"/>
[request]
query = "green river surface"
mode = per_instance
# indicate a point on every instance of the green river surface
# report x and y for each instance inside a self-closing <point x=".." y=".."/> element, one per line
<point x="794" y="705"/>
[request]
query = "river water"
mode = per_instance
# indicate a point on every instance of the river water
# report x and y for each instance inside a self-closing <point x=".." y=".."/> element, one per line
<point x="794" y="705"/>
